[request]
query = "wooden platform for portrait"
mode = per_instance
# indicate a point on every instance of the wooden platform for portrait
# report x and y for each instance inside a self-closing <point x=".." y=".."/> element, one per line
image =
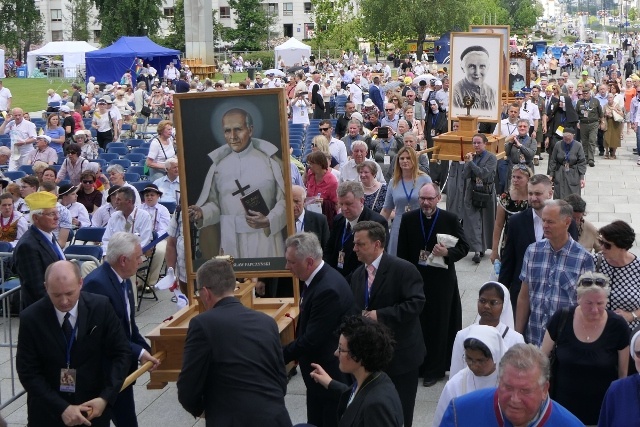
<point x="170" y="336"/>
<point x="454" y="145"/>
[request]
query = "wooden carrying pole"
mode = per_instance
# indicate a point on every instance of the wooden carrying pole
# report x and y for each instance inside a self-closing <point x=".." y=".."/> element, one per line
<point x="142" y="369"/>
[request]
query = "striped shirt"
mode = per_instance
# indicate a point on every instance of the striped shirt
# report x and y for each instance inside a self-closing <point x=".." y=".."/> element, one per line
<point x="552" y="277"/>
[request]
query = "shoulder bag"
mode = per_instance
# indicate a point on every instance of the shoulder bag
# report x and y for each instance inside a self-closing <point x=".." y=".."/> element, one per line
<point x="146" y="110"/>
<point x="553" y="357"/>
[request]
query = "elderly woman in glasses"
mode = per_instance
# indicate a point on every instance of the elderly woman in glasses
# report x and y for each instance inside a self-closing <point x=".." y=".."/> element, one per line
<point x="512" y="201"/>
<point x="567" y="166"/>
<point x="591" y="349"/>
<point x="372" y="401"/>
<point x="623" y="269"/>
<point x="620" y="406"/>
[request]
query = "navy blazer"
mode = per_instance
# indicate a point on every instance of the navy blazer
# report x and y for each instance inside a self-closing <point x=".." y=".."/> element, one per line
<point x="317" y="223"/>
<point x="31" y="257"/>
<point x="397" y="295"/>
<point x="376" y="96"/>
<point x="100" y="356"/>
<point x="103" y="281"/>
<point x="334" y="245"/>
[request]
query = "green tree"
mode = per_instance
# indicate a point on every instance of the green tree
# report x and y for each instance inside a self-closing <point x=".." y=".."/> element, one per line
<point x="20" y="26"/>
<point x="335" y="24"/>
<point x="128" y="18"/>
<point x="522" y="13"/>
<point x="80" y="11"/>
<point x="385" y="20"/>
<point x="252" y="24"/>
<point x="633" y="14"/>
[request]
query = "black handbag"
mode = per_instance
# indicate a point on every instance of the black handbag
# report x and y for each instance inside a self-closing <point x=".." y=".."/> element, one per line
<point x="553" y="362"/>
<point x="481" y="199"/>
<point x="145" y="111"/>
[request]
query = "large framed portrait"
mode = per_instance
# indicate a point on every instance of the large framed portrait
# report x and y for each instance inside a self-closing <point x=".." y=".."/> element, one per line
<point x="235" y="179"/>
<point x="519" y="75"/>
<point x="476" y="75"/>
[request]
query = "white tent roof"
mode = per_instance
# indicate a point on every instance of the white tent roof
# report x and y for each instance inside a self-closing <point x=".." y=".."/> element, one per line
<point x="291" y="52"/>
<point x="72" y="53"/>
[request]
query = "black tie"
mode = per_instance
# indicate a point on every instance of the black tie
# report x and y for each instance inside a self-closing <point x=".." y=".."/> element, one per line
<point x="348" y="227"/>
<point x="66" y="327"/>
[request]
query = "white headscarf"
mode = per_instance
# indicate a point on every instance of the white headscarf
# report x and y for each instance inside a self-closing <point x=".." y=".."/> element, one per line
<point x="506" y="316"/>
<point x="634" y="338"/>
<point x="490" y="337"/>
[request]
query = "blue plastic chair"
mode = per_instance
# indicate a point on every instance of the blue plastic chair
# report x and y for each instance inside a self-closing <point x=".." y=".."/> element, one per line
<point x="108" y="156"/>
<point x="28" y="169"/>
<point x="135" y="157"/>
<point x="120" y="151"/>
<point x="128" y="176"/>
<point x="138" y="170"/>
<point x="171" y="206"/>
<point x="140" y="185"/>
<point x="89" y="234"/>
<point x="14" y="175"/>
<point x="122" y="162"/>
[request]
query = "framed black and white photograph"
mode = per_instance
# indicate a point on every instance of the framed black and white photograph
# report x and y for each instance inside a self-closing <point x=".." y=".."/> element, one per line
<point x="234" y="172"/>
<point x="476" y="75"/>
<point x="518" y="72"/>
<point x="505" y="30"/>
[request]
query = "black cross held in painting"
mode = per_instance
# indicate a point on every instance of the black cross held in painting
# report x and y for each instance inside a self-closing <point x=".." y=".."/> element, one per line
<point x="241" y="189"/>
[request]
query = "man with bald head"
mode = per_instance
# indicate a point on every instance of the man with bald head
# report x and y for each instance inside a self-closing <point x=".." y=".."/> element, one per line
<point x="308" y="221"/>
<point x="23" y="135"/>
<point x="73" y="355"/>
<point x="475" y="64"/>
<point x="246" y="173"/>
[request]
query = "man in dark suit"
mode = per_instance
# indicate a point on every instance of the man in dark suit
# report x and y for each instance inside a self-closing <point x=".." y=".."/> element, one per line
<point x="376" y="94"/>
<point x="308" y="221"/>
<point x="550" y="109"/>
<point x="525" y="228"/>
<point x="111" y="279"/>
<point x="441" y="317"/>
<point x="72" y="354"/>
<point x="338" y="252"/>
<point x="395" y="298"/>
<point x="232" y="368"/>
<point x="325" y="300"/>
<point x="37" y="248"/>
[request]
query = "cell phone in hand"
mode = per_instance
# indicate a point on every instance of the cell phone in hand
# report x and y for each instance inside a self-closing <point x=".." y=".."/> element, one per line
<point x="383" y="132"/>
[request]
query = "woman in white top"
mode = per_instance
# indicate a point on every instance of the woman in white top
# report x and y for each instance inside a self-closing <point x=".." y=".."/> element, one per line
<point x="160" y="150"/>
<point x="121" y="102"/>
<point x="300" y="109"/>
<point x="494" y="309"/>
<point x="484" y="348"/>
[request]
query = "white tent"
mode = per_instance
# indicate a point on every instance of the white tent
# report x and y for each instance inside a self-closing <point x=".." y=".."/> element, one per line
<point x="2" y="76"/>
<point x="72" y="55"/>
<point x="291" y="51"/>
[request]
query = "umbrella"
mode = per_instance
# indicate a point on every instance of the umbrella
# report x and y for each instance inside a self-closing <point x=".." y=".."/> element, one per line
<point x="274" y="72"/>
<point x="293" y="69"/>
<point x="425" y="77"/>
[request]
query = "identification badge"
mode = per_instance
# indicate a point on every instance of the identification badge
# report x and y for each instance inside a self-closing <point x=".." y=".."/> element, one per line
<point x="68" y="380"/>
<point x="522" y="159"/>
<point x="585" y="113"/>
<point x="566" y="167"/>
<point x="387" y="160"/>
<point x="341" y="259"/>
<point x="407" y="208"/>
<point x="461" y="162"/>
<point x="424" y="256"/>
<point x="433" y="132"/>
<point x="302" y="112"/>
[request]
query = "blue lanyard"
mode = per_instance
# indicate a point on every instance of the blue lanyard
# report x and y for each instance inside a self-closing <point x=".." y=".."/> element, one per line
<point x="408" y="194"/>
<point x="70" y="343"/>
<point x="567" y="150"/>
<point x="425" y="237"/>
<point x="434" y="120"/>
<point x="366" y="289"/>
<point x="386" y="149"/>
<point x="346" y="237"/>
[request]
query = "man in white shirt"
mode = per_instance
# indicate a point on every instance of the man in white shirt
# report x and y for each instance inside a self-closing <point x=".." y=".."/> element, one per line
<point x="336" y="147"/>
<point x="355" y="93"/>
<point x="23" y="135"/>
<point x="530" y="112"/>
<point x="349" y="172"/>
<point x="5" y="98"/>
<point x="169" y="184"/>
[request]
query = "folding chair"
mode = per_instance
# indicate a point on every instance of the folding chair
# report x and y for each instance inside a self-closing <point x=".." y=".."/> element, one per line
<point x="108" y="156"/>
<point x="138" y="170"/>
<point x="28" y="169"/>
<point x="135" y="157"/>
<point x="171" y="206"/>
<point x="81" y="253"/>
<point x="14" y="175"/>
<point x="89" y="235"/>
<point x="122" y="162"/>
<point x="120" y="151"/>
<point x="142" y="276"/>
<point x="140" y="185"/>
<point x="128" y="176"/>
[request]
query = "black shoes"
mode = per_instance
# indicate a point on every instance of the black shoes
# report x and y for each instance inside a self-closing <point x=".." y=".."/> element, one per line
<point x="591" y="163"/>
<point x="430" y="382"/>
<point x="476" y="258"/>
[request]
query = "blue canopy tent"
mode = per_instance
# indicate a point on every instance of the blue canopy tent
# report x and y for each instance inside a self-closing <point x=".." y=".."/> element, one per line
<point x="110" y="63"/>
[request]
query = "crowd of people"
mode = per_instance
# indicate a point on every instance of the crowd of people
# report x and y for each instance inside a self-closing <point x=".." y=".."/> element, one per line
<point x="374" y="250"/>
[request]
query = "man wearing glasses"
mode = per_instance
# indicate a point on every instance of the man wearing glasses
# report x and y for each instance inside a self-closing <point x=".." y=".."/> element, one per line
<point x="38" y="247"/>
<point x="390" y="118"/>
<point x="336" y="147"/>
<point x="550" y="271"/>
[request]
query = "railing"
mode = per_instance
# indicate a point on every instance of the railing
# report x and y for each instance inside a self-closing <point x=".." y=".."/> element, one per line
<point x="8" y="338"/>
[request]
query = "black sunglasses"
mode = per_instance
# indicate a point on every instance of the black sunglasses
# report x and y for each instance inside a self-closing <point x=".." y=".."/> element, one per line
<point x="604" y="244"/>
<point x="88" y="182"/>
<point x="389" y="109"/>
<point x="323" y="129"/>
<point x="590" y="282"/>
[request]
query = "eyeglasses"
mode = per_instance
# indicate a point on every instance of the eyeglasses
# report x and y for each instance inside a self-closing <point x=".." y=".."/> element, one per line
<point x="339" y="350"/>
<point x="491" y="302"/>
<point x="389" y="109"/>
<point x="50" y="214"/>
<point x="590" y="282"/>
<point x="88" y="182"/>
<point x="314" y="145"/>
<point x="324" y="129"/>
<point x="604" y="244"/>
<point x="428" y="199"/>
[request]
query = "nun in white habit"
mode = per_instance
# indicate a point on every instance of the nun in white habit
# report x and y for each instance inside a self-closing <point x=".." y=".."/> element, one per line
<point x="484" y="348"/>
<point x="494" y="309"/>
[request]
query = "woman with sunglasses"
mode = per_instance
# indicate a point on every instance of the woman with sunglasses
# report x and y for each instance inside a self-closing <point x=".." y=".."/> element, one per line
<point x="492" y="311"/>
<point x="512" y="201"/>
<point x="591" y="349"/>
<point x="483" y="349"/>
<point x="623" y="269"/>
<point x="621" y="405"/>
<point x="88" y="196"/>
<point x="372" y="401"/>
